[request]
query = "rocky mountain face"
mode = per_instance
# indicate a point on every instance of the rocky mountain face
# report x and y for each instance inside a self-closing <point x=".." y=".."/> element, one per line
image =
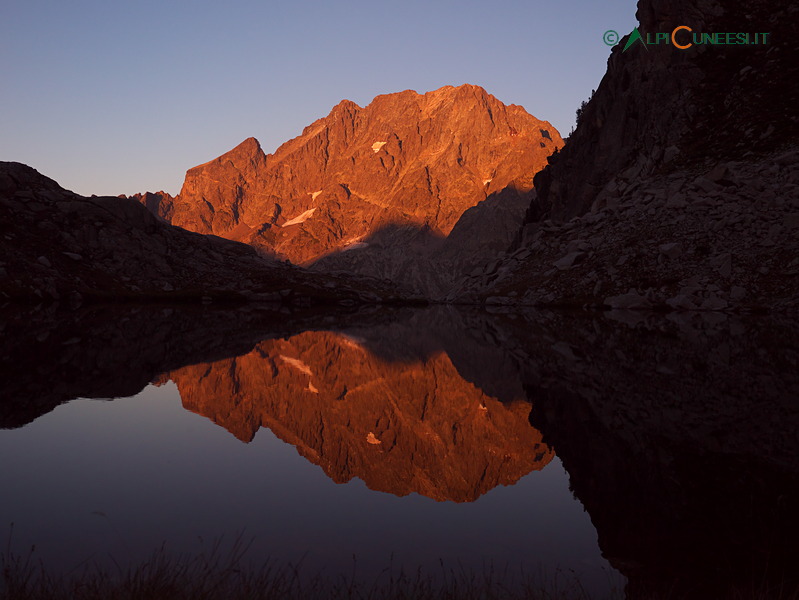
<point x="158" y="203"/>
<point x="664" y="109"/>
<point x="56" y="245"/>
<point x="422" y="263"/>
<point x="371" y="189"/>
<point x="679" y="188"/>
<point x="400" y="426"/>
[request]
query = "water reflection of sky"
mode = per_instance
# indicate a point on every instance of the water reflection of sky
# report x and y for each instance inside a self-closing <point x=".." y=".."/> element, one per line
<point x="94" y="478"/>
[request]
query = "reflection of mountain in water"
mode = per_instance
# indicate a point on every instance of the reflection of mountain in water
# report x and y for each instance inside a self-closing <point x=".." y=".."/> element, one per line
<point x="402" y="427"/>
<point x="679" y="432"/>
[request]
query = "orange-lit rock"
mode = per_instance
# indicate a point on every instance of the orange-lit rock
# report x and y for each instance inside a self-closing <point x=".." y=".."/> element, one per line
<point x="405" y="158"/>
<point x="59" y="246"/>
<point x="399" y="427"/>
<point x="158" y="203"/>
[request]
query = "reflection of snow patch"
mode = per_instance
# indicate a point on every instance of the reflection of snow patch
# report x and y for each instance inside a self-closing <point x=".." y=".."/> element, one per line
<point x="354" y="246"/>
<point x="315" y="195"/>
<point x="377" y="146"/>
<point x="372" y="439"/>
<point x="297" y="364"/>
<point x="353" y="342"/>
<point x="301" y="219"/>
<point x="312" y="388"/>
<point x="487" y="181"/>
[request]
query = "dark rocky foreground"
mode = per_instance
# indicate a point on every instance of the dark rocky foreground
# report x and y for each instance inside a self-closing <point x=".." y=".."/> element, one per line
<point x="58" y="246"/>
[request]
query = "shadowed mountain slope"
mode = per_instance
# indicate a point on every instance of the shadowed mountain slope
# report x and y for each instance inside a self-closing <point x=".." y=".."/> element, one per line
<point x="56" y="245"/>
<point x="679" y="188"/>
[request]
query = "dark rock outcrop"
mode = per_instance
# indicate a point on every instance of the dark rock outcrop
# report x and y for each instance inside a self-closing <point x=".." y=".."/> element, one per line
<point x="679" y="188"/>
<point x="665" y="108"/>
<point x="680" y="241"/>
<point x="56" y="245"/>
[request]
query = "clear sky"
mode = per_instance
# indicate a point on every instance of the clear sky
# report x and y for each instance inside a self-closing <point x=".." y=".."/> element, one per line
<point x="116" y="97"/>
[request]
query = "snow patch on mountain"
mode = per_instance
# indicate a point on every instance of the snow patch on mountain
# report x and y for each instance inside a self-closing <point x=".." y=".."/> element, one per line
<point x="300" y="219"/>
<point x="297" y="364"/>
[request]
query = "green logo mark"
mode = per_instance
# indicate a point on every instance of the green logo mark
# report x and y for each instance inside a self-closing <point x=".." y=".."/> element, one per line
<point x="635" y="36"/>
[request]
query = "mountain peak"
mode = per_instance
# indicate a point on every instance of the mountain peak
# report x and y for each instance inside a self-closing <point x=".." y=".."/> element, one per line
<point x="405" y="159"/>
<point x="463" y="88"/>
<point x="345" y="106"/>
<point x="250" y="147"/>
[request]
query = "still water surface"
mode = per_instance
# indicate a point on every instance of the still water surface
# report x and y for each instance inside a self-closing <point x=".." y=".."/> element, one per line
<point x="654" y="453"/>
<point x="95" y="479"/>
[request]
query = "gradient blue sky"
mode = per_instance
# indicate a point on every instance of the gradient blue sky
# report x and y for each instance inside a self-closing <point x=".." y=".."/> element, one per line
<point x="116" y="97"/>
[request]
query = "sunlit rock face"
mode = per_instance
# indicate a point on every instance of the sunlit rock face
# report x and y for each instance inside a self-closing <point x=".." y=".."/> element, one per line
<point x="59" y="246"/>
<point x="405" y="159"/>
<point x="158" y="203"/>
<point x="400" y="427"/>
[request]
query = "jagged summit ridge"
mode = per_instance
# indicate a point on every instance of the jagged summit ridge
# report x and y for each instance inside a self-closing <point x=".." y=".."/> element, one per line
<point x="405" y="158"/>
